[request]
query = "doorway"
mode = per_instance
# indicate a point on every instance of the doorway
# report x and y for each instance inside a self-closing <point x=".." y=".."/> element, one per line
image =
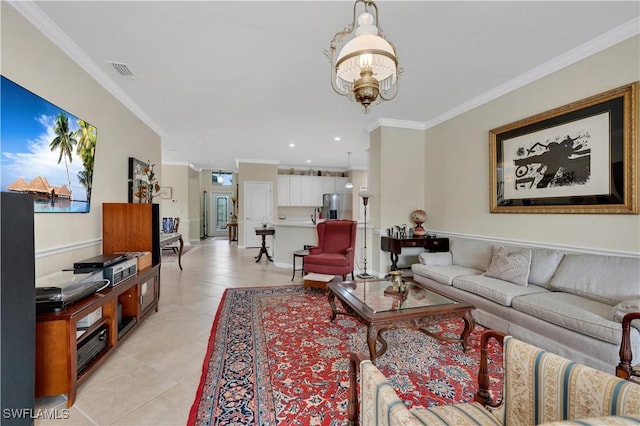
<point x="257" y="209"/>
<point x="221" y="212"/>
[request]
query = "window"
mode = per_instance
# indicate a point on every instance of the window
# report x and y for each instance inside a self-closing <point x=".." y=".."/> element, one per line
<point x="222" y="178"/>
<point x="222" y="212"/>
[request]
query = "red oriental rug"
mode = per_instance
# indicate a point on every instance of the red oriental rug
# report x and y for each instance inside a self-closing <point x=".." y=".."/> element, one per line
<point x="274" y="358"/>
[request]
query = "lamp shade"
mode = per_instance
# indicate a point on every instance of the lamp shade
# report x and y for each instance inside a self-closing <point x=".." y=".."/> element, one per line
<point x="366" y="51"/>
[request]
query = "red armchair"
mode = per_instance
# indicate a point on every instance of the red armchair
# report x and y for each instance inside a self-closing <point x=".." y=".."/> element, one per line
<point x="335" y="252"/>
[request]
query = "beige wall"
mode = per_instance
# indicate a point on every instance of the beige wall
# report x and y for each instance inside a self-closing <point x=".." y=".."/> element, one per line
<point x="457" y="161"/>
<point x="176" y="177"/>
<point x="32" y="61"/>
<point x="397" y="182"/>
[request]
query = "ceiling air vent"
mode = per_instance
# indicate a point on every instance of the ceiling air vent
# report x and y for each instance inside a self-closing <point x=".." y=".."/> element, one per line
<point x="122" y="69"/>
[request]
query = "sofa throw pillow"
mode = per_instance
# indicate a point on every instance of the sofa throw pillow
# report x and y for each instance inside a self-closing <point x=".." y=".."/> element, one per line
<point x="513" y="268"/>
<point x="623" y="308"/>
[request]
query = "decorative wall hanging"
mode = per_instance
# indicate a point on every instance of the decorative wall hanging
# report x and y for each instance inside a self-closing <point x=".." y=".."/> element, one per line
<point x="143" y="182"/>
<point x="578" y="158"/>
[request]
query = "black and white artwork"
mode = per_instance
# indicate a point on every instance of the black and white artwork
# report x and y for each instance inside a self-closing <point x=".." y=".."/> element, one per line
<point x="576" y="158"/>
<point x="571" y="159"/>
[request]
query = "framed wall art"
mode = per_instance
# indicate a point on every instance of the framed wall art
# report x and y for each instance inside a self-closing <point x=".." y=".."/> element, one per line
<point x="579" y="158"/>
<point x="137" y="181"/>
<point x="166" y="192"/>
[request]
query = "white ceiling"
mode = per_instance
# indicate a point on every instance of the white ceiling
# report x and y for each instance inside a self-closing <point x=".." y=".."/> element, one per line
<point x="223" y="81"/>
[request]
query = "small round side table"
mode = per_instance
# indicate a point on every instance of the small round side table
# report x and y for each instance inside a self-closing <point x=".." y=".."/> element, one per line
<point x="302" y="254"/>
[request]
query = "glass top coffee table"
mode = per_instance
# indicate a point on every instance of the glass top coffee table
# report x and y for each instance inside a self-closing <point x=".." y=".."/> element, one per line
<point x="374" y="304"/>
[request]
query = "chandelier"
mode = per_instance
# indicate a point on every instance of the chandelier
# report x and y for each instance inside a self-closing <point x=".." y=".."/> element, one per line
<point x="366" y="67"/>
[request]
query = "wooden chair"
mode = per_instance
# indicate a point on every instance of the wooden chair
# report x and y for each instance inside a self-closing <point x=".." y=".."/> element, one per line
<point x="624" y="369"/>
<point x="173" y="246"/>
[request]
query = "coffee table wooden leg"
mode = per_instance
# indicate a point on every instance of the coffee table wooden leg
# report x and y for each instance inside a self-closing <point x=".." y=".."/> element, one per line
<point x="374" y="334"/>
<point x="469" y="323"/>
<point x="332" y="303"/>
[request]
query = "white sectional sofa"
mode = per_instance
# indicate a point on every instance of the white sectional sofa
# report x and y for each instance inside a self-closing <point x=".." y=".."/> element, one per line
<point x="559" y="301"/>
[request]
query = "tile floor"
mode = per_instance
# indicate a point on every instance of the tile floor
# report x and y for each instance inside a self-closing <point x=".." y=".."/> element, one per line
<point x="152" y="377"/>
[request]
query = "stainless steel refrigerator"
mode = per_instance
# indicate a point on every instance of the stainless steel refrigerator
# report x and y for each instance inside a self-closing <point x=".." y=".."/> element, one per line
<point x="336" y="206"/>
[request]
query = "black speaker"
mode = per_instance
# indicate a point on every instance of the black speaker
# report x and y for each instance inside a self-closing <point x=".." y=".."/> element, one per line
<point x="17" y="309"/>
<point x="155" y="241"/>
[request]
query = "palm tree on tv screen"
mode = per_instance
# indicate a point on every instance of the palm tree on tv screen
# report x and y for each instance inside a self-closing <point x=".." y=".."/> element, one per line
<point x="64" y="142"/>
<point x="86" y="147"/>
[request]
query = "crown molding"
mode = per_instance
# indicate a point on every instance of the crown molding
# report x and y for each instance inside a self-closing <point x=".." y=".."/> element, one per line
<point x="32" y="13"/>
<point x="400" y="124"/>
<point x="598" y="44"/>
<point x="255" y="161"/>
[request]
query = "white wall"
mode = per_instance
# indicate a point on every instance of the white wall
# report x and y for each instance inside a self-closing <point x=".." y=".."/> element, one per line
<point x="457" y="161"/>
<point x="32" y="61"/>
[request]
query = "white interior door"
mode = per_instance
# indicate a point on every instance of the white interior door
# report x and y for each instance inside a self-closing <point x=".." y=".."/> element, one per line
<point x="257" y="209"/>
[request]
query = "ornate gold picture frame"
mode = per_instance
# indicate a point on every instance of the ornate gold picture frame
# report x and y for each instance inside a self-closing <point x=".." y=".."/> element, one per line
<point x="578" y="158"/>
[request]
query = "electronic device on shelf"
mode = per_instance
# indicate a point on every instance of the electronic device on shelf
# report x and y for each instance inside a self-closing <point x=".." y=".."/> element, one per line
<point x="121" y="271"/>
<point x="90" y="347"/>
<point x="101" y="261"/>
<point x="116" y="267"/>
<point x="57" y="291"/>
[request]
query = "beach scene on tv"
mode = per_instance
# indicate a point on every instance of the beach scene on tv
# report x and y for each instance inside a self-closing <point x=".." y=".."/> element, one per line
<point x="46" y="152"/>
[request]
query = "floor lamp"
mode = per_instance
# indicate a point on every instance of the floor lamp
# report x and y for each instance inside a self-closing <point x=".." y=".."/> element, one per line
<point x="365" y="200"/>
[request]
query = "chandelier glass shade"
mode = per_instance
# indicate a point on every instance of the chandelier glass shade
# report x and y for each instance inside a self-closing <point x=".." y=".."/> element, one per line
<point x="366" y="67"/>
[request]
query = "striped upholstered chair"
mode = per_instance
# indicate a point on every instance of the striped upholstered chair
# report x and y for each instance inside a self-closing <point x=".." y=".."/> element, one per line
<point x="539" y="388"/>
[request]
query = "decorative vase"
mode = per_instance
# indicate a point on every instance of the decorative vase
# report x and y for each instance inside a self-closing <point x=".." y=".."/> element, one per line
<point x="396" y="280"/>
<point x="419" y="217"/>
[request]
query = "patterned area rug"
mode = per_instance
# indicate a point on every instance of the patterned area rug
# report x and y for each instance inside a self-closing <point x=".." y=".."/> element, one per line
<point x="274" y="358"/>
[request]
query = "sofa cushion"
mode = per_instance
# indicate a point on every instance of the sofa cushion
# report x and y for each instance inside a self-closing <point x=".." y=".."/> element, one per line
<point x="473" y="254"/>
<point x="511" y="267"/>
<point x="498" y="291"/>
<point x="607" y="279"/>
<point x="544" y="263"/>
<point x="572" y="312"/>
<point x="442" y="274"/>
<point x="440" y="258"/>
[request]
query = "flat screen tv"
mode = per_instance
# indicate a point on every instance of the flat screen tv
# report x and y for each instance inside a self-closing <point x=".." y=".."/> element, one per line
<point x="46" y="151"/>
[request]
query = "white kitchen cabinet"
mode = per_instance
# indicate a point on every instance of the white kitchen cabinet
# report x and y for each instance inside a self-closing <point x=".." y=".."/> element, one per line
<point x="283" y="190"/>
<point x="328" y="184"/>
<point x="295" y="190"/>
<point x="300" y="191"/>
<point x="311" y="191"/>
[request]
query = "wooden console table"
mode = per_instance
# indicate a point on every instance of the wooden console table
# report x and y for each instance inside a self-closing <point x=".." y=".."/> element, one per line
<point x="394" y="246"/>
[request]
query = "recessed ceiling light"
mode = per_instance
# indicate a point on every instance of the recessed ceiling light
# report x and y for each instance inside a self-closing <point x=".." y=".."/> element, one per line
<point x="337" y="139"/>
<point x="291" y="145"/>
<point x="308" y="161"/>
